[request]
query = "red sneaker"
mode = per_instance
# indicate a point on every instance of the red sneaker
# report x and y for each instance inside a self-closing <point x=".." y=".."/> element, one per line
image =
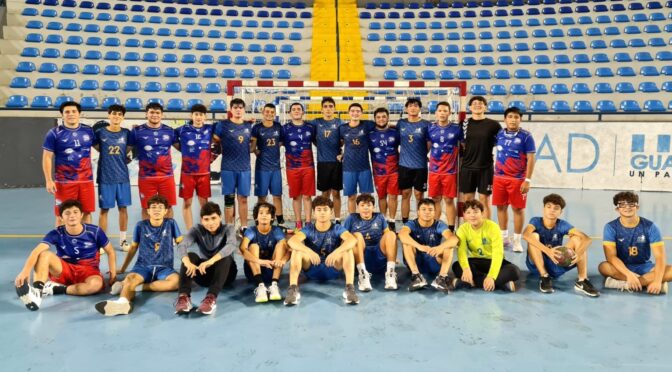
<point x="208" y="305"/>
<point x="183" y="304"/>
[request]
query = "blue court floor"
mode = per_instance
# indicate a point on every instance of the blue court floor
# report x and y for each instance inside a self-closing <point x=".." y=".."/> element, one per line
<point x="387" y="331"/>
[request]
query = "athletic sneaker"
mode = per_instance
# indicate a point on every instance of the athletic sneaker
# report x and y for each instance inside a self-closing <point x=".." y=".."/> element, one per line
<point x="612" y="283"/>
<point x="30" y="296"/>
<point x="391" y="226"/>
<point x="183" y="304"/>
<point x="586" y="287"/>
<point x="663" y="288"/>
<point x="208" y="305"/>
<point x="546" y="284"/>
<point x="125" y="246"/>
<point x="417" y="282"/>
<point x="115" y="289"/>
<point x="49" y="286"/>
<point x="440" y="283"/>
<point x="510" y="286"/>
<point x="508" y="245"/>
<point x="298" y="226"/>
<point x="349" y="295"/>
<point x="459" y="284"/>
<point x="391" y="280"/>
<point x="116" y="307"/>
<point x="293" y="295"/>
<point x="241" y="231"/>
<point x="261" y="293"/>
<point x="517" y="246"/>
<point x="274" y="292"/>
<point x="364" y="281"/>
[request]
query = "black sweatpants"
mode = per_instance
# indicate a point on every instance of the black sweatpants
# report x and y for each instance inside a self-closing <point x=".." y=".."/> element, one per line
<point x="218" y="275"/>
<point x="480" y="268"/>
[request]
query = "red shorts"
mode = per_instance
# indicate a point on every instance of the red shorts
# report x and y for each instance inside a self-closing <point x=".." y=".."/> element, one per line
<point x="198" y="182"/>
<point x="85" y="192"/>
<point x="75" y="274"/>
<point x="149" y="187"/>
<point x="387" y="185"/>
<point x="506" y="191"/>
<point x="301" y="181"/>
<point x="442" y="185"/>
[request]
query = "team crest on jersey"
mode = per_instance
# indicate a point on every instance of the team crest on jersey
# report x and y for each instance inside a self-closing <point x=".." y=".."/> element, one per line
<point x="86" y="137"/>
<point x="418" y="130"/>
<point x="392" y="139"/>
<point x="327" y="240"/>
<point x="155" y="134"/>
<point x="374" y="225"/>
<point x="517" y="141"/>
<point x="166" y="137"/>
<point x="484" y="241"/>
<point x="641" y="239"/>
<point x="555" y="237"/>
<point x="74" y="241"/>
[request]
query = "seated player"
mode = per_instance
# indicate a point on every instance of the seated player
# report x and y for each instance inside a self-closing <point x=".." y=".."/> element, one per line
<point x="543" y="234"/>
<point x="266" y="253"/>
<point x="424" y="250"/>
<point x="153" y="271"/>
<point x="480" y="255"/>
<point x="73" y="269"/>
<point x="322" y="250"/>
<point x="210" y="263"/>
<point x="376" y="245"/>
<point x="628" y="244"/>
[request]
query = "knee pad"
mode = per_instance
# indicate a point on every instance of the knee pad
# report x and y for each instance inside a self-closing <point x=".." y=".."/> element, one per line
<point x="229" y="201"/>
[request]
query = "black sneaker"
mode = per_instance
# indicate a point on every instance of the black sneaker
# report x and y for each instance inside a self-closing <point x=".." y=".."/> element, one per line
<point x="457" y="283"/>
<point x="392" y="226"/>
<point x="241" y="231"/>
<point x="417" y="282"/>
<point x="293" y="296"/>
<point x="546" y="284"/>
<point x="586" y="287"/>
<point x="440" y="283"/>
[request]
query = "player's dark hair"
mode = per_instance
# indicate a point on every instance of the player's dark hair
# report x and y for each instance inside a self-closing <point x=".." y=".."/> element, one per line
<point x="626" y="196"/>
<point x="477" y="98"/>
<point x="158" y="199"/>
<point x="426" y="201"/>
<point x="237" y="101"/>
<point x="365" y="198"/>
<point x="116" y="108"/>
<point x="69" y="204"/>
<point x="210" y="208"/>
<point x="444" y="103"/>
<point x="322" y="201"/>
<point x="355" y="105"/>
<point x="154" y="106"/>
<point x="413" y="101"/>
<point x="555" y="199"/>
<point x="199" y="108"/>
<point x="381" y="109"/>
<point x="263" y="204"/>
<point x="327" y="99"/>
<point x="270" y="105"/>
<point x="69" y="103"/>
<point x="513" y="109"/>
<point x="296" y="104"/>
<point x="473" y="204"/>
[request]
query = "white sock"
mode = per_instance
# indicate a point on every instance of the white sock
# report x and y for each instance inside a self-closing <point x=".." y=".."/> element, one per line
<point x="390" y="219"/>
<point x="139" y="288"/>
<point x="122" y="236"/>
<point x="122" y="300"/>
<point x="391" y="265"/>
<point x="516" y="237"/>
<point x="505" y="234"/>
<point x="361" y="268"/>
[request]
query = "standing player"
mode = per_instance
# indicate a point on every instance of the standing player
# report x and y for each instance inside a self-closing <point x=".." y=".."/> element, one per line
<point x="322" y="250"/>
<point x="543" y="234"/>
<point x="384" y="147"/>
<point x="628" y="244"/>
<point x="265" y="141"/>
<point x="74" y="268"/>
<point x="424" y="251"/>
<point x="329" y="169"/>
<point x="356" y="166"/>
<point x="297" y="136"/>
<point x="480" y="137"/>
<point x="413" y="156"/>
<point x="444" y="142"/>
<point x="193" y="140"/>
<point x="114" y="186"/>
<point x="513" y="170"/>
<point x="153" y="142"/>
<point x="233" y="135"/>
<point x="69" y="147"/>
<point x="376" y="245"/>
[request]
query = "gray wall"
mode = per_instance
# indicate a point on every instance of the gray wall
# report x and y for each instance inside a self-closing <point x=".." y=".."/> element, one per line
<point x="21" y="151"/>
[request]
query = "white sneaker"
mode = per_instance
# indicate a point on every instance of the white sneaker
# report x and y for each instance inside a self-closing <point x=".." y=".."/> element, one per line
<point x="125" y="246"/>
<point x="48" y="289"/>
<point x="391" y="280"/>
<point x="115" y="289"/>
<point x="114" y="307"/>
<point x="30" y="296"/>
<point x="612" y="283"/>
<point x="517" y="246"/>
<point x="274" y="292"/>
<point x="664" y="288"/>
<point x="365" y="281"/>
<point x="261" y="293"/>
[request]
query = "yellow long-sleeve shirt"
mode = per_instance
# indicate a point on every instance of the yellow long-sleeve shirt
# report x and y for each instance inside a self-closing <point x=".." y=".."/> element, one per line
<point x="485" y="242"/>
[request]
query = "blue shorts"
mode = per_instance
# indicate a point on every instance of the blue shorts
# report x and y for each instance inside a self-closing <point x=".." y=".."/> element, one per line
<point x="375" y="259"/>
<point x="352" y="179"/>
<point x="153" y="273"/>
<point x="265" y="180"/>
<point x="426" y="264"/>
<point x="554" y="271"/>
<point x="266" y="273"/>
<point x="642" y="268"/>
<point x="114" y="193"/>
<point x="236" y="182"/>
<point x="322" y="273"/>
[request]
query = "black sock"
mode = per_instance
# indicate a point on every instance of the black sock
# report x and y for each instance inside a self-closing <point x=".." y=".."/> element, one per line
<point x="59" y="289"/>
<point x="451" y="228"/>
<point x="280" y="219"/>
<point x="404" y="220"/>
<point x="258" y="279"/>
<point x="39" y="285"/>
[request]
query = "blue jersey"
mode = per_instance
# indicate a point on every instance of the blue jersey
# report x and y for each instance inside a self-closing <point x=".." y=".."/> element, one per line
<point x="155" y="244"/>
<point x="633" y="245"/>
<point x="153" y="147"/>
<point x="327" y="139"/>
<point x="72" y="152"/>
<point x="372" y="229"/>
<point x="298" y="141"/>
<point x="323" y="242"/>
<point x="82" y="249"/>
<point x="384" y="148"/>
<point x="552" y="237"/>
<point x="512" y="150"/>
<point x="413" y="143"/>
<point x="356" y="146"/>
<point x="112" y="166"/>
<point x="430" y="236"/>
<point x="234" y="140"/>
<point x="266" y="242"/>
<point x="268" y="143"/>
<point x="195" y="147"/>
<point x="445" y="145"/>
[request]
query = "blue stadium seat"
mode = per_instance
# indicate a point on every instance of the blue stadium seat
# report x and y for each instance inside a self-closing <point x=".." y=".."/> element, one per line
<point x="483" y="75"/>
<point x="606" y="106"/>
<point x="622" y="57"/>
<point x="559" y="88"/>
<point x="649" y="71"/>
<point x="654" y="105"/>
<point x="173" y="87"/>
<point x="175" y="104"/>
<point x="218" y="105"/>
<point x="20" y="82"/>
<point x="17" y="101"/>
<point x="580" y="88"/>
<point x="464" y="75"/>
<point x="656" y="42"/>
<point x="409" y="75"/>
<point x="34" y="38"/>
<point x="562" y="73"/>
<point x="538" y="106"/>
<point x="391" y="75"/>
<point x="519" y="104"/>
<point x="667" y="86"/>
<point x="191" y="72"/>
<point x="111" y="85"/>
<point x="604" y="72"/>
<point x="538" y="89"/>
<point x="626" y="71"/>
<point x="502" y="74"/>
<point x="495" y="107"/>
<point x="91" y="70"/>
<point x="518" y="89"/>
<point x="25" y="67"/>
<point x="193" y="88"/>
<point x="89" y="103"/>
<point x="109" y="101"/>
<point x="583" y="106"/>
<point x="497" y="90"/>
<point x="89" y="85"/>
<point x="603" y="88"/>
<point x="446" y="75"/>
<point x="521" y="47"/>
<point x="522" y="74"/>
<point x="40" y="102"/>
<point x="600" y="58"/>
<point x="648" y="87"/>
<point x="625" y="87"/>
<point x="153" y="86"/>
<point x="630" y="105"/>
<point x="284" y="74"/>
<point x="582" y="73"/>
<point x="643" y="57"/>
<point x="542" y="59"/>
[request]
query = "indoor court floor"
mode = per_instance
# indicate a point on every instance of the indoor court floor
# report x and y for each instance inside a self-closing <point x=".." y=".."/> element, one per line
<point x="387" y="331"/>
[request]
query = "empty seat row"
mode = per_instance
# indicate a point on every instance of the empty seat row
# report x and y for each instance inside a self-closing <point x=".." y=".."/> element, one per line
<point x="561" y="88"/>
<point x="141" y="18"/>
<point x="153" y="43"/>
<point x="162" y="31"/>
<point x="604" y="106"/>
<point x="92" y="103"/>
<point x="501" y="35"/>
<point x="123" y="7"/>
<point x="506" y="74"/>
<point x="615" y="7"/>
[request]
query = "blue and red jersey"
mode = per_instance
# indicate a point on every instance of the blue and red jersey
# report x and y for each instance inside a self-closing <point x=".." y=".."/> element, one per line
<point x="82" y="249"/>
<point x="298" y="141"/>
<point x="413" y="143"/>
<point x="512" y="150"/>
<point x="195" y="147"/>
<point x="355" y="146"/>
<point x="445" y="147"/>
<point x="72" y="152"/>
<point x="268" y="143"/>
<point x="384" y="148"/>
<point x="234" y="140"/>
<point x="153" y="146"/>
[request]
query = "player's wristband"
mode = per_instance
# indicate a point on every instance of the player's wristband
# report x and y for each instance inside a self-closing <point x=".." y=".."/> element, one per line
<point x="528" y="180"/>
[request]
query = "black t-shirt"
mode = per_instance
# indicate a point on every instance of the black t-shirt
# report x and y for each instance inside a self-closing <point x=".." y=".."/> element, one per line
<point x="480" y="137"/>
